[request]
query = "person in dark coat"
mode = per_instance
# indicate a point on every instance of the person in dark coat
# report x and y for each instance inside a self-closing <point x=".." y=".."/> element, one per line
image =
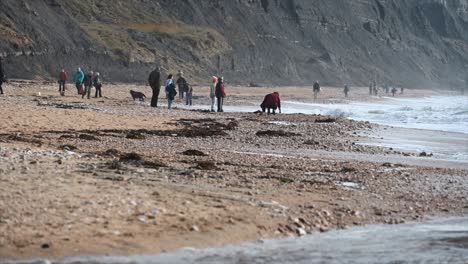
<point x="2" y="75"/>
<point x="97" y="83"/>
<point x="316" y="89"/>
<point x="181" y="83"/>
<point x="88" y="83"/>
<point x="62" y="82"/>
<point x="346" y="90"/>
<point x="220" y="93"/>
<point x="154" y="81"/>
<point x="271" y="102"/>
<point x="170" y="91"/>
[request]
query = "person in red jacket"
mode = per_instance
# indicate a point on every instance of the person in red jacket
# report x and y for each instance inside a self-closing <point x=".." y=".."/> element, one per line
<point x="62" y="81"/>
<point x="271" y="102"/>
<point x="220" y="93"/>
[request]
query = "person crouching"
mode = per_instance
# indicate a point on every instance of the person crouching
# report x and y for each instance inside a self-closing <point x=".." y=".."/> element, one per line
<point x="271" y="102"/>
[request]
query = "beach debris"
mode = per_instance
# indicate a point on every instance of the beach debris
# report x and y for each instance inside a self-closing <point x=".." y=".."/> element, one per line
<point x="425" y="154"/>
<point x="193" y="152"/>
<point x="135" y="135"/>
<point x="325" y="119"/>
<point x="206" y="165"/>
<point x="130" y="157"/>
<point x="68" y="147"/>
<point x="87" y="137"/>
<point x="276" y="133"/>
<point x="111" y="152"/>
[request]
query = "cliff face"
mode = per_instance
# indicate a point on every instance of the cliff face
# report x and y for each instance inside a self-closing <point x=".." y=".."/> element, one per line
<point x="409" y="42"/>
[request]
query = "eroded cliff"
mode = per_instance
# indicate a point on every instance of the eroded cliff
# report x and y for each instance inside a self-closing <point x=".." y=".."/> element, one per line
<point x="416" y="43"/>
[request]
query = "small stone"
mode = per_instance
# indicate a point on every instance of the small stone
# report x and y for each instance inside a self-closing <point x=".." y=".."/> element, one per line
<point x="301" y="232"/>
<point x="45" y="246"/>
<point x="195" y="228"/>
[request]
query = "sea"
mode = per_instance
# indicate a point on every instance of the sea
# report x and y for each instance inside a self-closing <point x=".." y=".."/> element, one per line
<point x="435" y="241"/>
<point x="447" y="114"/>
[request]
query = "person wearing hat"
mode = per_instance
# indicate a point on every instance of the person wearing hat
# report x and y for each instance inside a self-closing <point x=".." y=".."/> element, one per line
<point x="220" y="94"/>
<point x="181" y="84"/>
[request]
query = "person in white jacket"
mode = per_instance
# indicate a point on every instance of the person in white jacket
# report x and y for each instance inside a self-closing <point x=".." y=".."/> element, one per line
<point x="212" y="93"/>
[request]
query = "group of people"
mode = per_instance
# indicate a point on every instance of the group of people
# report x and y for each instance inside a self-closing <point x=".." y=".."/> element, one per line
<point x="83" y="82"/>
<point x="217" y="92"/>
<point x="373" y="90"/>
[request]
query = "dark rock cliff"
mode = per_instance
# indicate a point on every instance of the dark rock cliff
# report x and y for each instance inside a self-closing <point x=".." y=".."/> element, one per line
<point x="416" y="43"/>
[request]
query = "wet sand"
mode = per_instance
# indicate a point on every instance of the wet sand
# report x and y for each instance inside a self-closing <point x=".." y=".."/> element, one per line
<point x="112" y="176"/>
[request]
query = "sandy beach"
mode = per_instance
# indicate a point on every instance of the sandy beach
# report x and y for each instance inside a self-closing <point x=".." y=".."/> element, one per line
<point x="112" y="176"/>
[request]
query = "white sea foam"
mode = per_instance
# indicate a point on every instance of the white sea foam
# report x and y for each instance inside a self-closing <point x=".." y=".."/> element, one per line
<point x="444" y="113"/>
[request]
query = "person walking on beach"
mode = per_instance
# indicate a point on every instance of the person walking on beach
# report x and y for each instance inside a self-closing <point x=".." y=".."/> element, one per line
<point x="188" y="94"/>
<point x="88" y="83"/>
<point x="346" y="90"/>
<point x="212" y="92"/>
<point x="402" y="90"/>
<point x="181" y="82"/>
<point x="62" y="82"/>
<point x="97" y="83"/>
<point x="371" y="90"/>
<point x="316" y="89"/>
<point x="78" y="79"/>
<point x="271" y="102"/>
<point x="170" y="91"/>
<point x="375" y="90"/>
<point x="394" y="90"/>
<point x="154" y="81"/>
<point x="2" y="75"/>
<point x="220" y="93"/>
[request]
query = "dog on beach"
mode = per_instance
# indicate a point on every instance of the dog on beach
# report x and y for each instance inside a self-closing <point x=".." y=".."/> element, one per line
<point x="137" y="95"/>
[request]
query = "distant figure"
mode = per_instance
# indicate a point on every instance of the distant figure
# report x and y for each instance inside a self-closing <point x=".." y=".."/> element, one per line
<point x="402" y="90"/>
<point x="78" y="79"/>
<point x="316" y="89"/>
<point x="181" y="84"/>
<point x="88" y="83"/>
<point x="2" y="75"/>
<point x="371" y="90"/>
<point x="97" y="82"/>
<point x="62" y="82"/>
<point x="170" y="91"/>
<point x="387" y="89"/>
<point x="271" y="102"/>
<point x="220" y="93"/>
<point x="394" y="90"/>
<point x="375" y="90"/>
<point x="212" y="92"/>
<point x="346" y="90"/>
<point x="154" y="81"/>
<point x="188" y="94"/>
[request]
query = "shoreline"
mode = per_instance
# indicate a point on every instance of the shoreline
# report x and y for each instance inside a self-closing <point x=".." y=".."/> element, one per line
<point x="196" y="179"/>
